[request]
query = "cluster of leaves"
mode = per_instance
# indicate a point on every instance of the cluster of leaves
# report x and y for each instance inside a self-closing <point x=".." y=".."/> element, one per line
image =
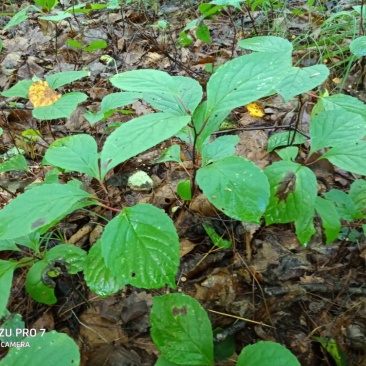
<point x="140" y="245"/>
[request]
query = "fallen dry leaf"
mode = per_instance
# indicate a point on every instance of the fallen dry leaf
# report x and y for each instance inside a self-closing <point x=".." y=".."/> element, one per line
<point x="41" y="95"/>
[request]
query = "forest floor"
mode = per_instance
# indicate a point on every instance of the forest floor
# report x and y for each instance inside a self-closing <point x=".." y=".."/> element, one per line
<point x="266" y="286"/>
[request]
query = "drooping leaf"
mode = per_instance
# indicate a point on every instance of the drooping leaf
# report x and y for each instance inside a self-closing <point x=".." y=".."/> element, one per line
<point x="266" y="44"/>
<point x="357" y="193"/>
<point x="266" y="354"/>
<point x="98" y="276"/>
<point x="345" y="207"/>
<point x="63" y="108"/>
<point x="37" y="208"/>
<point x="141" y="245"/>
<point x="293" y="192"/>
<point x="329" y="217"/>
<point x="35" y="286"/>
<point x="6" y="276"/>
<point x="19" y="17"/>
<point x="76" y="153"/>
<point x="57" y="348"/>
<point x="236" y="186"/>
<point x="300" y="80"/>
<point x="333" y="128"/>
<point x="220" y="148"/>
<point x="181" y="330"/>
<point x="138" y="135"/>
<point x="349" y="156"/>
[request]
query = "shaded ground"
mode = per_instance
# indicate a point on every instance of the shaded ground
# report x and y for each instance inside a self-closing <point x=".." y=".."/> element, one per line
<point x="267" y="287"/>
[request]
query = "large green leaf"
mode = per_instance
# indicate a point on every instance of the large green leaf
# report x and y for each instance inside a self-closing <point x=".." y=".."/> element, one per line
<point x="341" y="102"/>
<point x="138" y="135"/>
<point x="245" y="79"/>
<point x="350" y="157"/>
<point x="300" y="80"/>
<point x="333" y="128"/>
<point x="6" y="276"/>
<point x="266" y="354"/>
<point x="329" y="217"/>
<point x="98" y="276"/>
<point x="266" y="44"/>
<point x="76" y="153"/>
<point x="141" y="245"/>
<point x="65" y="77"/>
<point x="56" y="349"/>
<point x="62" y="108"/>
<point x="236" y="186"/>
<point x="181" y="330"/>
<point x="37" y="208"/>
<point x="293" y="192"/>
<point x="35" y="285"/>
<point x="357" y="194"/>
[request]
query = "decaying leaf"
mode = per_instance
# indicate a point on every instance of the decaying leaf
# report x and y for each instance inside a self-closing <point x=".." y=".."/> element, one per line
<point x="255" y="109"/>
<point x="286" y="186"/>
<point x="41" y="95"/>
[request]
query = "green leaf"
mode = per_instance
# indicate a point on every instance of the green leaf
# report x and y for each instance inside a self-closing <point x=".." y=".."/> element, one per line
<point x="6" y="277"/>
<point x="62" y="108"/>
<point x="36" y="287"/>
<point x="357" y="193"/>
<point x="284" y="139"/>
<point x="203" y="33"/>
<point x="8" y="245"/>
<point x="344" y="205"/>
<point x="224" y="349"/>
<point x="288" y="153"/>
<point x="96" y="45"/>
<point x="37" y="208"/>
<point x="332" y="348"/>
<point x="245" y="79"/>
<point x="17" y="162"/>
<point x="20" y="89"/>
<point x="138" y="135"/>
<point x="181" y="330"/>
<point x="73" y="43"/>
<point x="350" y="157"/>
<point x="266" y="44"/>
<point x="76" y="153"/>
<point x="116" y="100"/>
<point x="74" y="256"/>
<point x="13" y="326"/>
<point x="61" y="15"/>
<point x="236" y="186"/>
<point x="172" y="153"/>
<point x="333" y="128"/>
<point x="216" y="238"/>
<point x="293" y="192"/>
<point x="329" y="217"/>
<point x="220" y="148"/>
<point x="98" y="276"/>
<point x="57" y="348"/>
<point x="358" y="46"/>
<point x="184" y="190"/>
<point x="47" y="4"/>
<point x="342" y="102"/>
<point x="19" y="17"/>
<point x="266" y="354"/>
<point x="300" y="80"/>
<point x="65" y="77"/>
<point x="184" y="39"/>
<point x="162" y="361"/>
<point x="141" y="245"/>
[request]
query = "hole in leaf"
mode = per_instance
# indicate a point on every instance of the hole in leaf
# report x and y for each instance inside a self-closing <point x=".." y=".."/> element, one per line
<point x="133" y="274"/>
